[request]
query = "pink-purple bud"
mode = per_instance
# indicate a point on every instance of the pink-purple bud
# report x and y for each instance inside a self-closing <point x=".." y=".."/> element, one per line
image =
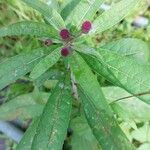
<point x="86" y="26"/>
<point x="65" y="34"/>
<point x="48" y="42"/>
<point x="65" y="51"/>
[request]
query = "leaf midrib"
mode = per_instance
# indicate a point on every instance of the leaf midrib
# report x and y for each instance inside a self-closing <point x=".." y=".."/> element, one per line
<point x="99" y="118"/>
<point x="56" y="111"/>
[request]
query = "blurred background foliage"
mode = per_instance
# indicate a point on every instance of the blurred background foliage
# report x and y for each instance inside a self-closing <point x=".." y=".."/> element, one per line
<point x="137" y="130"/>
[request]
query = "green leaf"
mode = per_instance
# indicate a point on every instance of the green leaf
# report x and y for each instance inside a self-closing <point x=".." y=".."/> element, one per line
<point x="26" y="141"/>
<point x="69" y="7"/>
<point x="13" y="68"/>
<point x="145" y="146"/>
<point x="128" y="73"/>
<point x="125" y="105"/>
<point x="127" y="127"/>
<point x="23" y="106"/>
<point x="98" y="113"/>
<point x="104" y="126"/>
<point x="54" y="121"/>
<point x="130" y="47"/>
<point x="114" y="15"/>
<point x="82" y="137"/>
<point x="45" y="64"/>
<point x="52" y="3"/>
<point x="133" y="75"/>
<point x="85" y="10"/>
<point x="29" y="28"/>
<point x="84" y="75"/>
<point x="142" y="134"/>
<point x="87" y="53"/>
<point x="52" y="74"/>
<point x="50" y="14"/>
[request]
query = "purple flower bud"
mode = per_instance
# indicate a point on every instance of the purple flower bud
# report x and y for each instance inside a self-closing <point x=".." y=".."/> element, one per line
<point x="65" y="51"/>
<point x="86" y="27"/>
<point x="65" y="34"/>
